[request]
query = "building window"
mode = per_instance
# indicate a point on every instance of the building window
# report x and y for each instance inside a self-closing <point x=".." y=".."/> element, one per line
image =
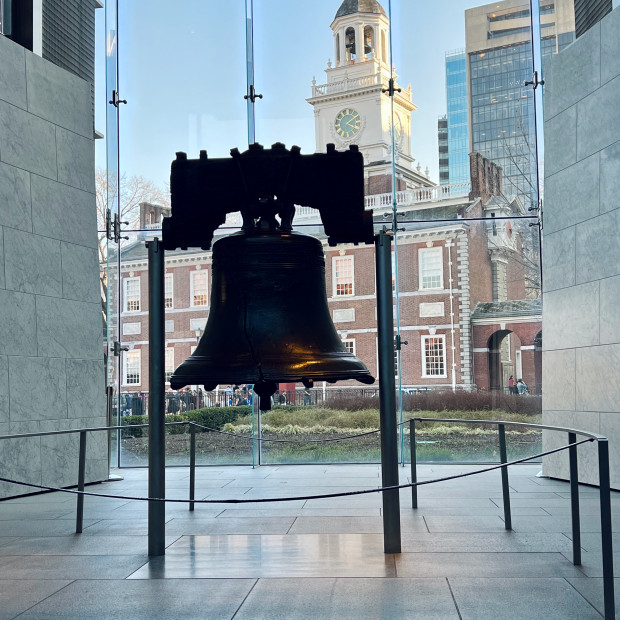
<point x="434" y="356"/>
<point x="199" y="290"/>
<point x="342" y="267"/>
<point x="132" y="367"/>
<point x="169" y="363"/>
<point x="132" y="294"/>
<point x="349" y="345"/>
<point x="431" y="268"/>
<point x="168" y="288"/>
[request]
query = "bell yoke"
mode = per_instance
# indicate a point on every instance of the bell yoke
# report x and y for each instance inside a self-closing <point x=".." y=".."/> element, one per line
<point x="268" y="322"/>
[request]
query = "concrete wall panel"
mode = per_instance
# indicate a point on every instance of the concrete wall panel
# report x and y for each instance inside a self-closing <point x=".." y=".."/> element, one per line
<point x="28" y="142"/>
<point x="32" y="264"/>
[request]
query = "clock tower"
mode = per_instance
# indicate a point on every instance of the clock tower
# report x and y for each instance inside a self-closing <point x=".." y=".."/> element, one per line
<point x="351" y="108"/>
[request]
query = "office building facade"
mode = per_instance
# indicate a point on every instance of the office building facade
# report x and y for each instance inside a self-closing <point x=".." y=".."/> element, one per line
<point x="501" y="104"/>
<point x="456" y="100"/>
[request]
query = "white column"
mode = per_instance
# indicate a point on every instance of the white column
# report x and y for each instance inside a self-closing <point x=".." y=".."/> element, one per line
<point x="359" y="44"/>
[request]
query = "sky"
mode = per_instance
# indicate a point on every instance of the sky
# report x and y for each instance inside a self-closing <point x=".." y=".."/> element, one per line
<point x="182" y="70"/>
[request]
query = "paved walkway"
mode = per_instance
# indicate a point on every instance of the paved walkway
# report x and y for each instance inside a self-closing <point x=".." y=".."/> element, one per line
<point x="305" y="559"/>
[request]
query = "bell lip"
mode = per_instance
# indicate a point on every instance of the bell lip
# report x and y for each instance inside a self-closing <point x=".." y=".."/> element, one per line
<point x="251" y="376"/>
<point x="366" y="379"/>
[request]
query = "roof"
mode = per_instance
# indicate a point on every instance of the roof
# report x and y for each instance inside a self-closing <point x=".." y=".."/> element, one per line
<point x="350" y="7"/>
<point x="518" y="307"/>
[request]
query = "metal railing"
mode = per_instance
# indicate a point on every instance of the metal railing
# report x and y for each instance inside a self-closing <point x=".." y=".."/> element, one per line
<point x="603" y="467"/>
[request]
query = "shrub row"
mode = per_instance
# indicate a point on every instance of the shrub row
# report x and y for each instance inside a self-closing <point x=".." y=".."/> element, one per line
<point x="213" y="418"/>
<point x="445" y="401"/>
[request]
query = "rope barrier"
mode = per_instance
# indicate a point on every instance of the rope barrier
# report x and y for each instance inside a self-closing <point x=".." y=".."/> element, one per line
<point x="302" y="497"/>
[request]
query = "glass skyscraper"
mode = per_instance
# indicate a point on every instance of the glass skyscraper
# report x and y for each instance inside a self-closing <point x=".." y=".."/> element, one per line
<point x="499" y="53"/>
<point x="458" y="135"/>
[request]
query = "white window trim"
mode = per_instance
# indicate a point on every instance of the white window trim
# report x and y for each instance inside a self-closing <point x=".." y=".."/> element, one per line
<point x="168" y="362"/>
<point x="423" y="339"/>
<point x="126" y="355"/>
<point x="396" y="368"/>
<point x="349" y="340"/>
<point x="421" y="252"/>
<point x="351" y="258"/>
<point x="126" y="282"/>
<point x="169" y="277"/>
<point x="191" y="288"/>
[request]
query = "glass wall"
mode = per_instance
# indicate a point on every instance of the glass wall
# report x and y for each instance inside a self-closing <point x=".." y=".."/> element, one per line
<point x="215" y="76"/>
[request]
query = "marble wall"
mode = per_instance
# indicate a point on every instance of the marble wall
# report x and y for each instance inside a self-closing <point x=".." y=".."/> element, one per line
<point x="581" y="249"/>
<point x="51" y="352"/>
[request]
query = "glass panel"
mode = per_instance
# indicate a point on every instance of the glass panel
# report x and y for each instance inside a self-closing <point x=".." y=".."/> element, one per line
<point x="106" y="180"/>
<point x="465" y="272"/>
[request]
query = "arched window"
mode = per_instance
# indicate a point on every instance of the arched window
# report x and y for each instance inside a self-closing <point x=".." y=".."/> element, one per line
<point x="384" y="57"/>
<point x="369" y="41"/>
<point x="349" y="44"/>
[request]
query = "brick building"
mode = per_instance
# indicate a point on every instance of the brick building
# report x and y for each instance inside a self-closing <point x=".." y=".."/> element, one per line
<point x="458" y="247"/>
<point x="463" y="306"/>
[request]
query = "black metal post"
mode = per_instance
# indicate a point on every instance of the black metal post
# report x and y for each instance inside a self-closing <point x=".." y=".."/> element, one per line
<point x="505" y="487"/>
<point x="387" y="394"/>
<point x="157" y="429"/>
<point x="79" y="516"/>
<point x="574" y="499"/>
<point x="606" y="537"/>
<point x="192" y="464"/>
<point x="414" y="464"/>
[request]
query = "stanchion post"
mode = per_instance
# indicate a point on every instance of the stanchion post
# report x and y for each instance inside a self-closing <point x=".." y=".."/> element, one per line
<point x="414" y="464"/>
<point x="574" y="499"/>
<point x="157" y="428"/>
<point x="387" y="394"/>
<point x="505" y="487"/>
<point x="192" y="464"/>
<point x="79" y="516"/>
<point x="606" y="536"/>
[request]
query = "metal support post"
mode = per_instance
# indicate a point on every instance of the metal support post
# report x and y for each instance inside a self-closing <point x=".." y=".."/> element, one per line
<point x="606" y="537"/>
<point x="574" y="499"/>
<point x="192" y="464"/>
<point x="414" y="464"/>
<point x="157" y="429"/>
<point x="505" y="487"/>
<point x="387" y="394"/>
<point x="79" y="516"/>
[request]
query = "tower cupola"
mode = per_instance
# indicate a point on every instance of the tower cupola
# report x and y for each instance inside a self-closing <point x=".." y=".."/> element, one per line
<point x="360" y="33"/>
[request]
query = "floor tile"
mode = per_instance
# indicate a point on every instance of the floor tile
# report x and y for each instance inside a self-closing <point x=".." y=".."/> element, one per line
<point x="320" y="555"/>
<point x="592" y="590"/>
<point x="72" y="566"/>
<point x="520" y="599"/>
<point x="348" y="599"/>
<point x="17" y="596"/>
<point x="493" y="542"/>
<point x="495" y="564"/>
<point x="144" y="600"/>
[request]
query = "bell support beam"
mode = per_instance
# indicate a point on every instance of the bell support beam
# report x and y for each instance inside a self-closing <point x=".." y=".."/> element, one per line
<point x="387" y="394"/>
<point x="157" y="429"/>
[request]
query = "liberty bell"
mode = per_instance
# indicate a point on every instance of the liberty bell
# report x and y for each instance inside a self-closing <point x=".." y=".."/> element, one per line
<point x="268" y="322"/>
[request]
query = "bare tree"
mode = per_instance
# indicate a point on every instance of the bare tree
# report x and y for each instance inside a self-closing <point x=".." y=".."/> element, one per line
<point x="133" y="191"/>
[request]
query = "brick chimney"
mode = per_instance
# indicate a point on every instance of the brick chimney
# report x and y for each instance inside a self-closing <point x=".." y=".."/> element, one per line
<point x="486" y="177"/>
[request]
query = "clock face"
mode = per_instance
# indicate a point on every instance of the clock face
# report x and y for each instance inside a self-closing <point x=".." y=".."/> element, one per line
<point x="348" y="123"/>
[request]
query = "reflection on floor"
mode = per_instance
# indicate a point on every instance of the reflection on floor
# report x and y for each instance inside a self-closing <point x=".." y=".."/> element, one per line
<point x="320" y="558"/>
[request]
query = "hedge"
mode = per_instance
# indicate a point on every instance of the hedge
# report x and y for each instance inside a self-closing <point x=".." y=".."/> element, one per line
<point x="213" y="418"/>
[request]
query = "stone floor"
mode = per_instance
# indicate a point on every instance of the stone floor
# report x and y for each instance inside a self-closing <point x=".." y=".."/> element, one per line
<point x="321" y="558"/>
